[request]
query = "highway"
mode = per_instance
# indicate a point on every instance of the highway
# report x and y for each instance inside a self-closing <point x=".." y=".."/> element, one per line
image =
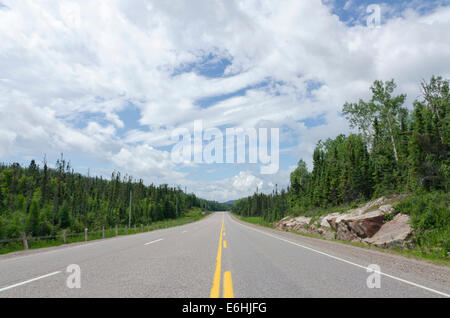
<point x="218" y="256"/>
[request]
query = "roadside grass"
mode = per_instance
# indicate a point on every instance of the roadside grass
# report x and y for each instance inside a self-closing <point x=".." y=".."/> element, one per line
<point x="414" y="253"/>
<point x="189" y="216"/>
<point x="254" y="220"/>
<point x="430" y="219"/>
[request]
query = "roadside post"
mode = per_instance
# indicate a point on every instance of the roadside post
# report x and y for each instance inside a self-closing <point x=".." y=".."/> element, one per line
<point x="24" y="240"/>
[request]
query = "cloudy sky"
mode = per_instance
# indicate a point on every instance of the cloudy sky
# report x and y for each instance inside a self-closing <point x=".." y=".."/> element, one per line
<point x="106" y="82"/>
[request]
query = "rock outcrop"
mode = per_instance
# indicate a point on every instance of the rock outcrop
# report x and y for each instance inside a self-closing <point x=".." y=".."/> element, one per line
<point x="299" y="224"/>
<point x="366" y="224"/>
<point x="359" y="224"/>
<point x="393" y="233"/>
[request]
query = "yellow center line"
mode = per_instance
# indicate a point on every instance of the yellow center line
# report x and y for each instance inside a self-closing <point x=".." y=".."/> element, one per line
<point x="215" y="291"/>
<point x="227" y="285"/>
<point x="224" y="244"/>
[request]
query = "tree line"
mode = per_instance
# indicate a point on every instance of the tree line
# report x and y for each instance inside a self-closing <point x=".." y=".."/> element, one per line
<point x="394" y="151"/>
<point x="43" y="201"/>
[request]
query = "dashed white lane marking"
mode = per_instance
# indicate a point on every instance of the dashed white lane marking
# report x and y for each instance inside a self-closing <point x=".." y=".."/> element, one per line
<point x="29" y="281"/>
<point x="348" y="262"/>
<point x="155" y="241"/>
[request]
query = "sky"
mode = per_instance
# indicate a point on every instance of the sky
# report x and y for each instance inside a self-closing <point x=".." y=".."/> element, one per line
<point x="106" y="82"/>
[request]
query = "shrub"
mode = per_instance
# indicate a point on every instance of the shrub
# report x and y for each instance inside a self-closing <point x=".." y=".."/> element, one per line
<point x="430" y="218"/>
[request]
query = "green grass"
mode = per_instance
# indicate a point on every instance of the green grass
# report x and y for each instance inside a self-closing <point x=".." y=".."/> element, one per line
<point x="415" y="253"/>
<point x="191" y="215"/>
<point x="254" y="220"/>
<point x="430" y="219"/>
<point x="11" y="247"/>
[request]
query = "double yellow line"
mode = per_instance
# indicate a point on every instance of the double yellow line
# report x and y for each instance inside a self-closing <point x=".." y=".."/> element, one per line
<point x="227" y="281"/>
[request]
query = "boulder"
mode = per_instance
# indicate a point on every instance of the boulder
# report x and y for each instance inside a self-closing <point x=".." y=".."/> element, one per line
<point x="282" y="223"/>
<point x="322" y="226"/>
<point x="299" y="223"/>
<point x="324" y="221"/>
<point x="386" y="209"/>
<point x="367" y="224"/>
<point x="392" y="233"/>
<point x="302" y="221"/>
<point x="345" y="233"/>
<point x="325" y="232"/>
<point x="358" y="223"/>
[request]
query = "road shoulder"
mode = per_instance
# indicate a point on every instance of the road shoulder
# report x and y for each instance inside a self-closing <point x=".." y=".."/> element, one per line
<point x="420" y="272"/>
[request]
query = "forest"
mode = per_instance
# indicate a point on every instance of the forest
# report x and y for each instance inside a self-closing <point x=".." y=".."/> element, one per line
<point x="396" y="151"/>
<point x="43" y="201"/>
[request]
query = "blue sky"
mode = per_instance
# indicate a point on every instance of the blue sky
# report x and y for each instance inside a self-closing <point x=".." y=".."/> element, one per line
<point x="353" y="12"/>
<point x="107" y="83"/>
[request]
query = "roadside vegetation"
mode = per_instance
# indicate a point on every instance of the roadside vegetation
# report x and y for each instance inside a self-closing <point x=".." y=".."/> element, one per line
<point x="419" y="253"/>
<point x="430" y="217"/>
<point x="42" y="202"/>
<point x="255" y="220"/>
<point x="13" y="245"/>
<point x="397" y="151"/>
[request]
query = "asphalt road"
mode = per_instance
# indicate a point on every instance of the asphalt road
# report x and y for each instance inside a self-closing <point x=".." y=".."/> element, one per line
<point x="218" y="256"/>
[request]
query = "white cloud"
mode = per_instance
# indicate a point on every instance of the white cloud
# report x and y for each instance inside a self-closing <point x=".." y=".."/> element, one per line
<point x="244" y="183"/>
<point x="63" y="63"/>
<point x="145" y="161"/>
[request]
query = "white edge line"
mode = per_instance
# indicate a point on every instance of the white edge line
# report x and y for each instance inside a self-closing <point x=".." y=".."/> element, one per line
<point x="348" y="262"/>
<point x="155" y="241"/>
<point x="29" y="281"/>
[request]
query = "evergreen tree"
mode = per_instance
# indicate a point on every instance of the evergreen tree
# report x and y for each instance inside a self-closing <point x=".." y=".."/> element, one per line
<point x="33" y="223"/>
<point x="395" y="151"/>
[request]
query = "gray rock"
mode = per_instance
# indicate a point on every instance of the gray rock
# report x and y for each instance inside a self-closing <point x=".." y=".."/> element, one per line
<point x="299" y="223"/>
<point x="359" y="223"/>
<point x="324" y="221"/>
<point x="392" y="233"/>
